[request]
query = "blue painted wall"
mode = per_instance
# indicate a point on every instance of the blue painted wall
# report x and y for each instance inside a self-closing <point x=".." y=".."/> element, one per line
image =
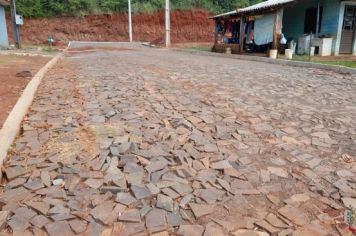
<point x="293" y="18"/>
<point x="4" y="42"/>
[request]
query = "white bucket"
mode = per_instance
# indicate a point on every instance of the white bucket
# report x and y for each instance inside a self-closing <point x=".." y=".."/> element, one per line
<point x="289" y="54"/>
<point x="273" y="53"/>
<point x="228" y="50"/>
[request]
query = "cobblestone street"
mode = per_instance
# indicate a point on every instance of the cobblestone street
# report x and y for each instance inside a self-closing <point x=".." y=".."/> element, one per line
<point x="130" y="140"/>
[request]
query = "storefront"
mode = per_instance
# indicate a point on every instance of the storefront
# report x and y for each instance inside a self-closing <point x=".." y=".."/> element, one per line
<point x="253" y="29"/>
<point x="321" y="27"/>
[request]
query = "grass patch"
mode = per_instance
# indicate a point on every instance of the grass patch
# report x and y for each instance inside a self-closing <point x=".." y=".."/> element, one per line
<point x="201" y="49"/>
<point x="341" y="62"/>
<point x="351" y="64"/>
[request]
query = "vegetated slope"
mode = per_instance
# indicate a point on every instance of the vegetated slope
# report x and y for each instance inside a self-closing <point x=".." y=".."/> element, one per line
<point x="186" y="26"/>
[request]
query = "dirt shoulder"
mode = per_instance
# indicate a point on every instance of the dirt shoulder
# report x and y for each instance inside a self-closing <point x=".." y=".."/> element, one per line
<point x="15" y="72"/>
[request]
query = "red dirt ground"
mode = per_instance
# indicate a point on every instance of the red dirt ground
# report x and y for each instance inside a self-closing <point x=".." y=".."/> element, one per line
<point x="186" y="26"/>
<point x="12" y="86"/>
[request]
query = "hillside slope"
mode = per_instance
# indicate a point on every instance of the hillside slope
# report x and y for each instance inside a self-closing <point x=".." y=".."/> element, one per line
<point x="186" y="26"/>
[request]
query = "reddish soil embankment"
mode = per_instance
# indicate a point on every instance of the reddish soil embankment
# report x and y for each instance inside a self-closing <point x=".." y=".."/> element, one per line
<point x="11" y="84"/>
<point x="186" y="26"/>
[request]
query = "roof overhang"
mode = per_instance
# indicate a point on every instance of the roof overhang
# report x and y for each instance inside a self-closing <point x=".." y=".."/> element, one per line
<point x="259" y="8"/>
<point x="267" y="5"/>
<point x="225" y="15"/>
<point x="4" y="2"/>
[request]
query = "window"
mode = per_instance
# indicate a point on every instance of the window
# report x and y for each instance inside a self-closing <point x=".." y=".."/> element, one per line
<point x="349" y="18"/>
<point x="311" y="20"/>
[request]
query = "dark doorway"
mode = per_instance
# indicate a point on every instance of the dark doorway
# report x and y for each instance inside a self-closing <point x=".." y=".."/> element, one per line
<point x="310" y="20"/>
<point x="348" y="29"/>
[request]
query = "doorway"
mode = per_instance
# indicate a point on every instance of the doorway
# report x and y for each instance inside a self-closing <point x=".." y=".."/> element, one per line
<point x="348" y="29"/>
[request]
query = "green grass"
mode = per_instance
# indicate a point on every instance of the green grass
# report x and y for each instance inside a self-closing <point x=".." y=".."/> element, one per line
<point x="351" y="64"/>
<point x="202" y="49"/>
<point x="347" y="63"/>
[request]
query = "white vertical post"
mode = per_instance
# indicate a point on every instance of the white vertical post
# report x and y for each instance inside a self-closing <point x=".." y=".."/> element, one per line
<point x="14" y="25"/>
<point x="168" y="25"/>
<point x="130" y="21"/>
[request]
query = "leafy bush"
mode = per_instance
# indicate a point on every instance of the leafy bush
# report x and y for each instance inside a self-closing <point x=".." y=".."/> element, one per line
<point x="39" y="8"/>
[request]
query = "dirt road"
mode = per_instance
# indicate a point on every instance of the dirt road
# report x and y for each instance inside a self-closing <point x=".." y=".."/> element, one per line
<point x="128" y="140"/>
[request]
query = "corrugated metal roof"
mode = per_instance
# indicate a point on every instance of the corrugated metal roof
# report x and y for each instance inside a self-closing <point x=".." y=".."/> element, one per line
<point x="230" y="13"/>
<point x="264" y="5"/>
<point x="256" y="7"/>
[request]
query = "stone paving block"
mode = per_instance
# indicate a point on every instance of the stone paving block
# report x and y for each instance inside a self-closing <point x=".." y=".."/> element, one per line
<point x="132" y="215"/>
<point x="156" y="220"/>
<point x="164" y="202"/>
<point x="13" y="172"/>
<point x="140" y="191"/>
<point x="59" y="228"/>
<point x="190" y="230"/>
<point x="39" y="221"/>
<point x="4" y="215"/>
<point x="101" y="212"/>
<point x="200" y="210"/>
<point x="125" y="198"/>
<point x="294" y="214"/>
<point x="78" y="226"/>
<point x="41" y="207"/>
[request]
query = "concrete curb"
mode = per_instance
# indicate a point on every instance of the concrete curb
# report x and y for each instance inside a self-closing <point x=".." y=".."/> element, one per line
<point x="12" y="124"/>
<point x="30" y="54"/>
<point x="339" y="69"/>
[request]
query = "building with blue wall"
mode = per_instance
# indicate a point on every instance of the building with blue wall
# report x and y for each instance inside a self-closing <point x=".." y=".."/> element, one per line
<point x="331" y="22"/>
<point x="337" y="20"/>
<point x="4" y="41"/>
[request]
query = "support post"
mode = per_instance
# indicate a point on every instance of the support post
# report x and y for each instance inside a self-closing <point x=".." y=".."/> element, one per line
<point x="317" y="19"/>
<point x="216" y="33"/>
<point x="275" y="38"/>
<point x="168" y="25"/>
<point x="14" y="25"/>
<point x="277" y="27"/>
<point x="130" y="21"/>
<point x="242" y="34"/>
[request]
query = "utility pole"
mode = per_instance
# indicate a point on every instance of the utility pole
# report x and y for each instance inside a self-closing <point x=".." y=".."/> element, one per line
<point x="168" y="25"/>
<point x="130" y="21"/>
<point x="14" y="25"/>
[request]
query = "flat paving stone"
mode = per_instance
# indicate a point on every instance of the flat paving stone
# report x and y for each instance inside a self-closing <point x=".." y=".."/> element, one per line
<point x="19" y="223"/>
<point x="78" y="226"/>
<point x="200" y="210"/>
<point x="59" y="228"/>
<point x="39" y="221"/>
<point x="101" y="212"/>
<point x="295" y="215"/>
<point x="13" y="172"/>
<point x="94" y="183"/>
<point x="41" y="207"/>
<point x="4" y="215"/>
<point x="140" y="192"/>
<point x="165" y="202"/>
<point x="132" y="215"/>
<point x="93" y="229"/>
<point x="190" y="230"/>
<point x="125" y="198"/>
<point x="156" y="220"/>
<point x="174" y="219"/>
